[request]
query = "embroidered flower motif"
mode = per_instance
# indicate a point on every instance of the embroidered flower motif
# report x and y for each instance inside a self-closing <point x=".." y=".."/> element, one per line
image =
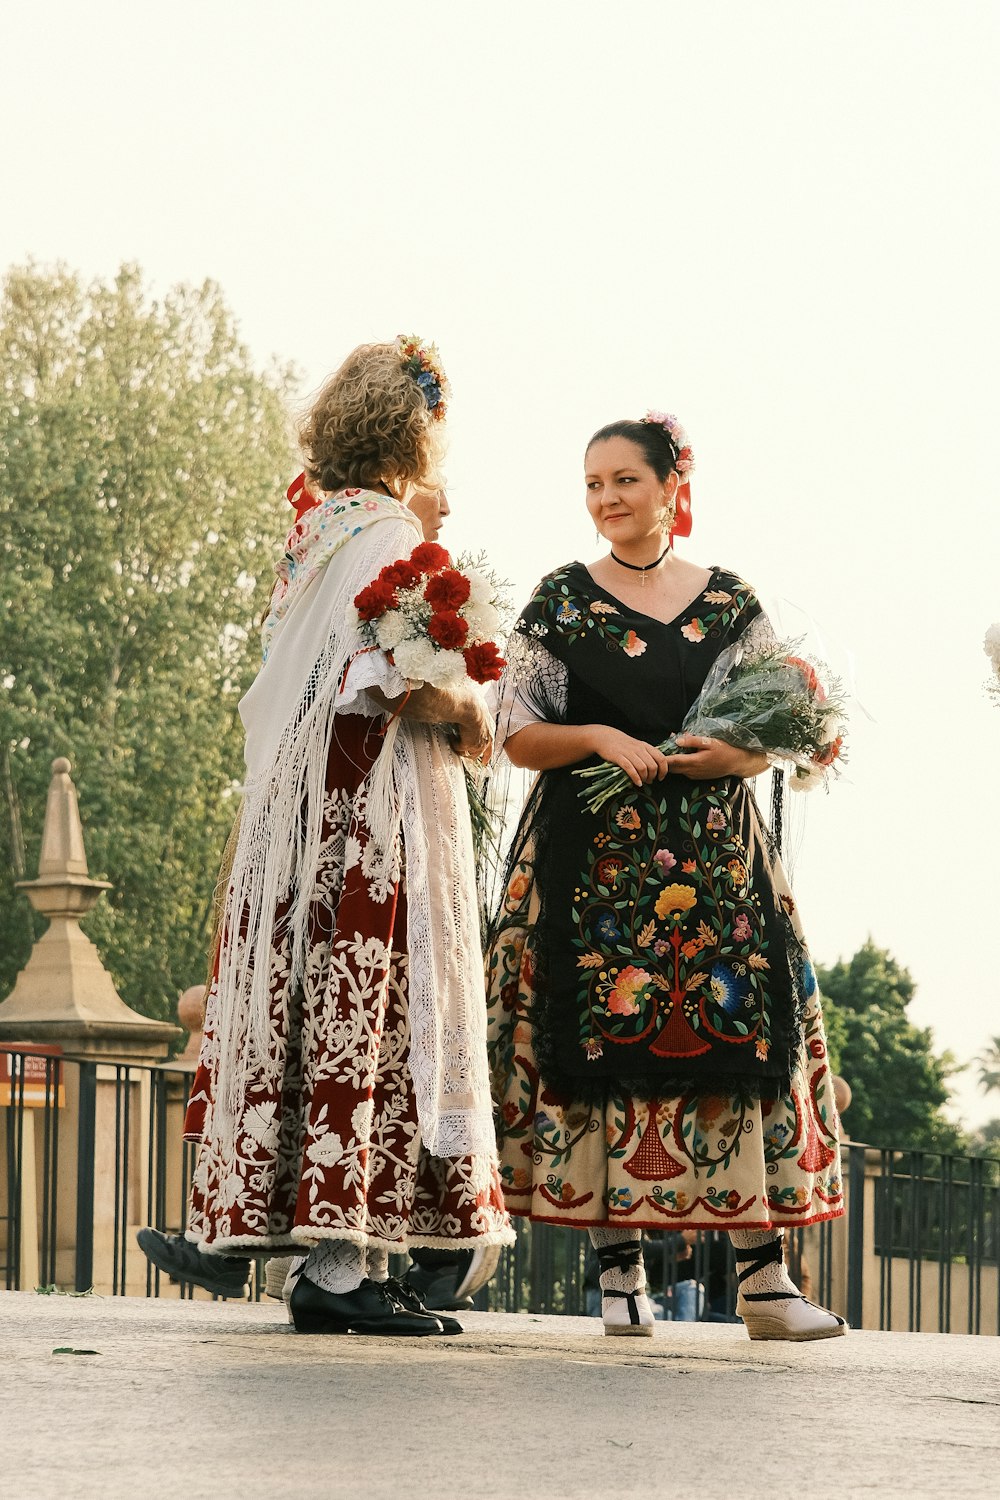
<point x="762" y="1048"/>
<point x="567" y="613"/>
<point x="716" y="820"/>
<point x="628" y="819"/>
<point x="725" y="992"/>
<point x="692" y="948"/>
<point x="361" y="1119"/>
<point x="689" y="867"/>
<point x="741" y="928"/>
<point x="709" y="1110"/>
<point x="633" y="645"/>
<point x="665" y="860"/>
<point x="620" y="1198"/>
<point x="608" y="928"/>
<point x="259" y="1124"/>
<point x="593" y="1049"/>
<point x="326" y="1150"/>
<point x="518" y="888"/>
<point x="660" y="948"/>
<point x="775" y="1137"/>
<point x="675" y="898"/>
<point x="737" y="870"/>
<point x="607" y="871"/>
<point x="694" y="631"/>
<point x="629" y="989"/>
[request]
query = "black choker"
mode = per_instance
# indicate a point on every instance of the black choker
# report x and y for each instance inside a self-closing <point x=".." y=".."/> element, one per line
<point x="642" y="568"/>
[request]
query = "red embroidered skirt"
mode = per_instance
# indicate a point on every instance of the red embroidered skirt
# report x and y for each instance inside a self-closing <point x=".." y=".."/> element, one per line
<point x="330" y="1148"/>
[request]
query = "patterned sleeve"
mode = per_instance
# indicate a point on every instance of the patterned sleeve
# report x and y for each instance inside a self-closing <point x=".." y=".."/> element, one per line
<point x="533" y="689"/>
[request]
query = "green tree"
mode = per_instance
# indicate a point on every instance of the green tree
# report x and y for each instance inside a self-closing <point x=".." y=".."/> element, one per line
<point x="989" y="1066"/>
<point x="899" y="1084"/>
<point x="141" y="462"/>
<point x="986" y="1140"/>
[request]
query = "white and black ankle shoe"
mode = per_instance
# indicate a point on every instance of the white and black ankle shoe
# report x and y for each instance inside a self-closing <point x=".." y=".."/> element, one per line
<point x="624" y="1314"/>
<point x="779" y="1314"/>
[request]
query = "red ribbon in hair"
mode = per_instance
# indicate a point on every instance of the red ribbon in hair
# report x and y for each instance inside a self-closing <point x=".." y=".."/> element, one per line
<point x="682" y="515"/>
<point x="301" y="500"/>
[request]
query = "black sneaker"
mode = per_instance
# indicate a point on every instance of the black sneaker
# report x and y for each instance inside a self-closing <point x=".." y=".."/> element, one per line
<point x="222" y="1275"/>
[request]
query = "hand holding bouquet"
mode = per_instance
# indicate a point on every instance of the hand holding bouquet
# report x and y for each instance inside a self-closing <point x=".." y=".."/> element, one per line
<point x="758" y="696"/>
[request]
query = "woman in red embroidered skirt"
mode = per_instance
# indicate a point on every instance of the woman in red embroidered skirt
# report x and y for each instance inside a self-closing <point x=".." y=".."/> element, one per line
<point x="342" y="1100"/>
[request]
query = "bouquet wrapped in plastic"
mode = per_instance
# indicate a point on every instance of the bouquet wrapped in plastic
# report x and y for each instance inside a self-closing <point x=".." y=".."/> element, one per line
<point x="761" y="696"/>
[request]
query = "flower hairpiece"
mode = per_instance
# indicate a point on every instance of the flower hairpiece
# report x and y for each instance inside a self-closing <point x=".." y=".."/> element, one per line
<point x="683" y="455"/>
<point x="423" y="363"/>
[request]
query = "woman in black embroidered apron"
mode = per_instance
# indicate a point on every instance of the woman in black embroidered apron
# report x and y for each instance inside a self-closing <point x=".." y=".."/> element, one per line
<point x="656" y="1039"/>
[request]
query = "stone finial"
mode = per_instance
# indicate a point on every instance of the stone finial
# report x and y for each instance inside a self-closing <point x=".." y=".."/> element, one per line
<point x="64" y="993"/>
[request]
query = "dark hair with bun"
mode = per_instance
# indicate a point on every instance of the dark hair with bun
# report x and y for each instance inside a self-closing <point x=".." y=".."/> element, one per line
<point x="654" y="440"/>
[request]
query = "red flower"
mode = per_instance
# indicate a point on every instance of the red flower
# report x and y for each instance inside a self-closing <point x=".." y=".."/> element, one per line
<point x="484" y="663"/>
<point x="447" y="590"/>
<point x="808" y="674"/>
<point x="429" y="557"/>
<point x="448" y="630"/>
<point x="829" y="753"/>
<point x="375" y="600"/>
<point x="400" y="575"/>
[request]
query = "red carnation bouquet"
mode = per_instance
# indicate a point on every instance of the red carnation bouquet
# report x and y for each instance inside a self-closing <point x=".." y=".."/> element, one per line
<point x="436" y="622"/>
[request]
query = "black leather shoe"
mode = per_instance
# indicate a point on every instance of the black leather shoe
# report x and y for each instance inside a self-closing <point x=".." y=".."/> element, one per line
<point x="368" y="1309"/>
<point x="222" y="1275"/>
<point x="407" y="1297"/>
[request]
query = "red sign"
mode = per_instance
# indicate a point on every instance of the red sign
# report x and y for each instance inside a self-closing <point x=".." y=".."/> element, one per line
<point x="29" y="1078"/>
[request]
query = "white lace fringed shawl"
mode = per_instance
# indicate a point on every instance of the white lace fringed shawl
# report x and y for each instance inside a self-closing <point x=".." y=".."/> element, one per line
<point x="418" y="789"/>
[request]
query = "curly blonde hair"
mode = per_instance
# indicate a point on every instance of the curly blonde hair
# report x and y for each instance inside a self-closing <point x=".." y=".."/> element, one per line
<point x="370" y="425"/>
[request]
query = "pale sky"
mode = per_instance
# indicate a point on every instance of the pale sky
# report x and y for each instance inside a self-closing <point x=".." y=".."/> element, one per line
<point x="778" y="220"/>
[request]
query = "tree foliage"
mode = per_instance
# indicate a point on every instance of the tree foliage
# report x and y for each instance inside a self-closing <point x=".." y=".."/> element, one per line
<point x="141" y="462"/>
<point x="898" y="1083"/>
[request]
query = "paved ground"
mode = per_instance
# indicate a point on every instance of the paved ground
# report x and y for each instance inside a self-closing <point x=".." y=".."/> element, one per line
<point x="217" y="1399"/>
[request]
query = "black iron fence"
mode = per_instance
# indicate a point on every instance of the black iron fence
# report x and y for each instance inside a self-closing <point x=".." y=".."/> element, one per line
<point x="89" y="1150"/>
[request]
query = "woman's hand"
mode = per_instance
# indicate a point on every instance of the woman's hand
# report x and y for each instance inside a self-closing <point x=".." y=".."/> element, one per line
<point x="474" y="733"/>
<point x="640" y="761"/>
<point x="705" y="758"/>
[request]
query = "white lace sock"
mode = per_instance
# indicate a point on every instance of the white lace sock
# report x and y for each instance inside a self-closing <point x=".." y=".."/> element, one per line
<point x="378" y="1264"/>
<point x="767" y="1299"/>
<point x="625" y="1307"/>
<point x="619" y="1278"/>
<point x="337" y="1266"/>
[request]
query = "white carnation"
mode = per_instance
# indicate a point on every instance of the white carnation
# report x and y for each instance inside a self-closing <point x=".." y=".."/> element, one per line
<point x="415" y="659"/>
<point x="991" y="645"/>
<point x="445" y="669"/>
<point x="390" y="629"/>
<point x="481" y="590"/>
<point x="353" y="618"/>
<point x="483" y="620"/>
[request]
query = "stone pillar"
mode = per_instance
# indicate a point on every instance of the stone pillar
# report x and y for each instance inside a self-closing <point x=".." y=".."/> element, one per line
<point x="64" y="996"/>
<point x="64" y="993"/>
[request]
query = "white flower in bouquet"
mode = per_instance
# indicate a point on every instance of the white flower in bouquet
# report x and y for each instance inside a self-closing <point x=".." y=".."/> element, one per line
<point x="446" y="668"/>
<point x="481" y="589"/>
<point x="991" y="645"/>
<point x="483" y="620"/>
<point x="415" y="658"/>
<point x="391" y="628"/>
